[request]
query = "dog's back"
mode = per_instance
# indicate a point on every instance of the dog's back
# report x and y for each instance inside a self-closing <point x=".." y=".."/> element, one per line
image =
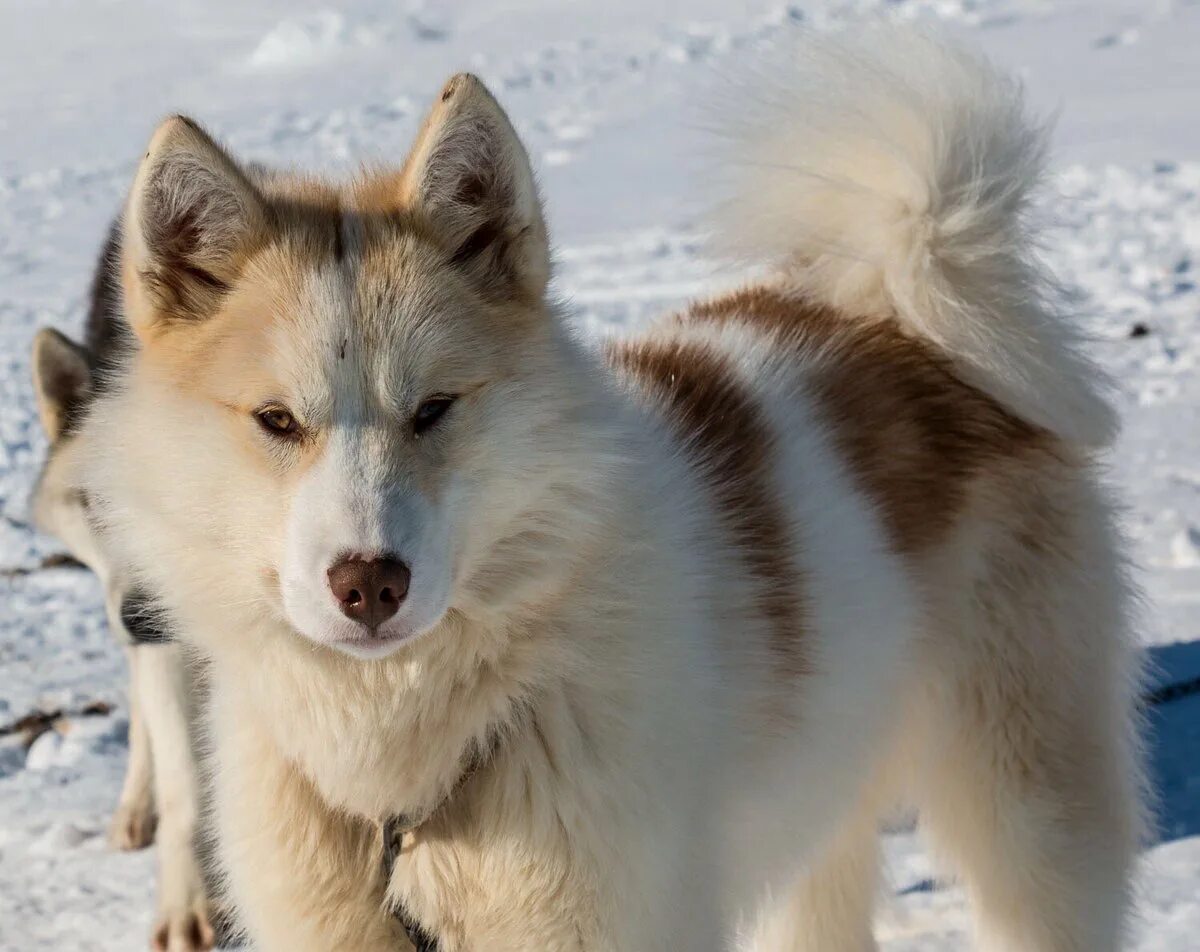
<point x="105" y="333"/>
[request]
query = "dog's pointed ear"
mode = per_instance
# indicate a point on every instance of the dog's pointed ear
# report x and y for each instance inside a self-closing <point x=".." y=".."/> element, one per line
<point x="193" y="216"/>
<point x="469" y="177"/>
<point x="62" y="380"/>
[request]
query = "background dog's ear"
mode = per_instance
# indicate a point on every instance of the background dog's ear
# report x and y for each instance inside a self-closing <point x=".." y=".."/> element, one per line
<point x="62" y="380"/>
<point x="469" y="176"/>
<point x="192" y="218"/>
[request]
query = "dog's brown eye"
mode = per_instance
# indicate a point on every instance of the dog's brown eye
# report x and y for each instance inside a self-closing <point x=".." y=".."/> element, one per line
<point x="278" y="421"/>
<point x="430" y="412"/>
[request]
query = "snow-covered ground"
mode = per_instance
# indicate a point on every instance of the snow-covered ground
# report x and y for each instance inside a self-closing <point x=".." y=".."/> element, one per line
<point x="605" y="93"/>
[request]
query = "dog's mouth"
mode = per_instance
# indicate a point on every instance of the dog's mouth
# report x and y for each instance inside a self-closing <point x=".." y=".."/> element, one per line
<point x="372" y="645"/>
<point x="144" y="619"/>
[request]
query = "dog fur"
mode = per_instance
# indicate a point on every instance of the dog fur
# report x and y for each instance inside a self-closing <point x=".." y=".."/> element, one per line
<point x="160" y="796"/>
<point x="685" y="616"/>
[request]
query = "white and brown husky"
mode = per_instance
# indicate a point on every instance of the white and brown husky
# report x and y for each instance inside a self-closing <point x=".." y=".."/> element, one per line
<point x="160" y="795"/>
<point x="629" y="649"/>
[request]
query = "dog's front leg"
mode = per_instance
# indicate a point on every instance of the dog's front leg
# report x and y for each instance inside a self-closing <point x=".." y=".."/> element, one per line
<point x="165" y="698"/>
<point x="303" y="876"/>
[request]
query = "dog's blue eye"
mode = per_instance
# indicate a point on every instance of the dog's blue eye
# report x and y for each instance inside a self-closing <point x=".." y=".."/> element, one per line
<point x="430" y="412"/>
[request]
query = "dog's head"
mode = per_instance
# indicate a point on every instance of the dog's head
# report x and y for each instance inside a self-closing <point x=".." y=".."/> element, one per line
<point x="64" y="380"/>
<point x="345" y="402"/>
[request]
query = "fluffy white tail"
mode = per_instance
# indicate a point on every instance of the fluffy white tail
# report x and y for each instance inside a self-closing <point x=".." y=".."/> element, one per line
<point x="889" y="173"/>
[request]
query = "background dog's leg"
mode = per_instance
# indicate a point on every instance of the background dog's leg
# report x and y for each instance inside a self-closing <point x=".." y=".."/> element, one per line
<point x="305" y="878"/>
<point x="164" y="687"/>
<point x="133" y="822"/>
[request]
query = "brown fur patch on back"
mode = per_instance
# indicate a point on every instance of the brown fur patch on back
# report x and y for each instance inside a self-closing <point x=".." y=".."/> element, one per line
<point x="914" y="434"/>
<point x="724" y="431"/>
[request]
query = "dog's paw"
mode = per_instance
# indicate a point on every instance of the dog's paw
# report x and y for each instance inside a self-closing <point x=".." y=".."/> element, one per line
<point x="184" y="930"/>
<point x="132" y="826"/>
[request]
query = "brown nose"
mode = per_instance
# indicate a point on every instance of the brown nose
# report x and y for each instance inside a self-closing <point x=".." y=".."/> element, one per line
<point x="369" y="591"/>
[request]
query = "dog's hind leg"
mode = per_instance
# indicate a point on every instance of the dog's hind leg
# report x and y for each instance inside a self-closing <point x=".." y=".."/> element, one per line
<point x="133" y="822"/>
<point x="830" y="907"/>
<point x="1029" y="782"/>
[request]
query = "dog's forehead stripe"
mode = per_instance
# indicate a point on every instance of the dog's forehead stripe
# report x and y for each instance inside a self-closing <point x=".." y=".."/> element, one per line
<point x="369" y="333"/>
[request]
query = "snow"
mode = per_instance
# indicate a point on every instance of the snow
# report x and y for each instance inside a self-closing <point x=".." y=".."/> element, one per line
<point x="606" y="94"/>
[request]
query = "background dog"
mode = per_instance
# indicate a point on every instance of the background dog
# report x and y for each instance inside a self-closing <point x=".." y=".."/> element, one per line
<point x="161" y="794"/>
